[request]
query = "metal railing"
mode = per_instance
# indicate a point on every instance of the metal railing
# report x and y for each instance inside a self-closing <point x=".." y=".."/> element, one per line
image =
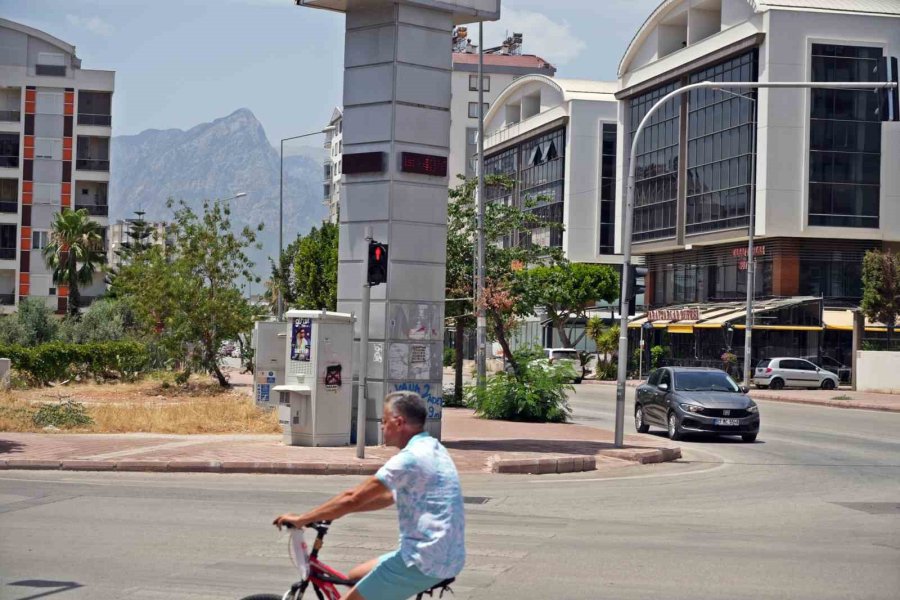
<point x="9" y="206"/>
<point x="7" y="254"/>
<point x="95" y="210"/>
<point x="9" y="161"/>
<point x="93" y="119"/>
<point x="7" y="299"/>
<point x="10" y="115"/>
<point x="92" y="164"/>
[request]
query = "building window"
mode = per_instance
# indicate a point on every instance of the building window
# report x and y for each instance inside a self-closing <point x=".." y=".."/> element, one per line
<point x="537" y="168"/>
<point x="471" y="151"/>
<point x="39" y="239"/>
<point x="485" y="82"/>
<point x="845" y="139"/>
<point x="94" y="108"/>
<point x="656" y="171"/>
<point x="720" y="149"/>
<point x="607" y="187"/>
<point x="49" y="148"/>
<point x="49" y="103"/>
<point x="473" y="109"/>
<point x="9" y="149"/>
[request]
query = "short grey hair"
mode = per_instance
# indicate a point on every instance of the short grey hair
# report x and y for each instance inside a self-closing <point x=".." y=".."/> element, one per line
<point x="408" y="405"/>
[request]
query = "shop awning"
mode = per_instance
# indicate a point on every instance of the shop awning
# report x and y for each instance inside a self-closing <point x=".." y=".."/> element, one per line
<point x="841" y="319"/>
<point x="718" y="314"/>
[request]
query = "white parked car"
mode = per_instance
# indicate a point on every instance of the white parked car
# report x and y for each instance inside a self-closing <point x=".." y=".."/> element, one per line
<point x="777" y="373"/>
<point x="568" y="355"/>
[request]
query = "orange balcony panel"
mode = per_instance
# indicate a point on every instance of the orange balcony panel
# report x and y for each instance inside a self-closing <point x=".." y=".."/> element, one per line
<point x="29" y="108"/>
<point x="30" y="95"/>
<point x="67" y="154"/>
<point x="29" y="152"/>
<point x="62" y="291"/>
<point x="29" y="141"/>
<point x="69" y="110"/>
<point x="26" y="231"/>
<point x="24" y="278"/>
<point x="67" y="143"/>
<point x="66" y="200"/>
<point x="26" y="197"/>
<point x="23" y="290"/>
<point x="25" y="243"/>
<point x="70" y="96"/>
<point x="27" y="186"/>
<point x="67" y="187"/>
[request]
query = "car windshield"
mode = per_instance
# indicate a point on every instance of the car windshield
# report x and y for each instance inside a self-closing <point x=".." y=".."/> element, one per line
<point x="704" y="381"/>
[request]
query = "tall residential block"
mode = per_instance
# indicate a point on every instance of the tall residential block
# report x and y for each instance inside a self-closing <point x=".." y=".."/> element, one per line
<point x="55" y="130"/>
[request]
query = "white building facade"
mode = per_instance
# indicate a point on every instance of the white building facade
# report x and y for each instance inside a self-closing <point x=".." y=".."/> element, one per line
<point x="331" y="187"/>
<point x="55" y="130"/>
<point x="557" y="139"/>
<point x="826" y="180"/>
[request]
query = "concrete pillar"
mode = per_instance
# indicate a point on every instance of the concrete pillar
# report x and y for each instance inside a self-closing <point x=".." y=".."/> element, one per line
<point x="397" y="73"/>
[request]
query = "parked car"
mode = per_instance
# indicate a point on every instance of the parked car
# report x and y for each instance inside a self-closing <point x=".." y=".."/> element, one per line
<point x="695" y="400"/>
<point x="569" y="355"/>
<point x="832" y="364"/>
<point x="778" y="373"/>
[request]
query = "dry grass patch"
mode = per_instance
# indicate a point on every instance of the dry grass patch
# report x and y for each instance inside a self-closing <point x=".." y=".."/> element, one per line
<point x="147" y="406"/>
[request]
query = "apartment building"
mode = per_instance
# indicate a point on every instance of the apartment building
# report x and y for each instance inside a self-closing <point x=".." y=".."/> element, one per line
<point x="55" y="130"/>
<point x="334" y="146"/>
<point x="826" y="182"/>
<point x="120" y="233"/>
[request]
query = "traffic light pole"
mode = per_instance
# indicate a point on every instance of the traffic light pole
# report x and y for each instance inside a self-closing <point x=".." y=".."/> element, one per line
<point x="362" y="400"/>
<point x="629" y="208"/>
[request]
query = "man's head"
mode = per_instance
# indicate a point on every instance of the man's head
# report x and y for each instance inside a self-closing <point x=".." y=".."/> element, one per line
<point x="404" y="416"/>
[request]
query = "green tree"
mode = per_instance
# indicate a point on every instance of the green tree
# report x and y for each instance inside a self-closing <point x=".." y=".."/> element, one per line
<point x="188" y="299"/>
<point x="881" y="289"/>
<point x="607" y="340"/>
<point x="32" y="324"/>
<point x="282" y="277"/>
<point x="105" y="320"/>
<point x="315" y="269"/>
<point x="75" y="252"/>
<point x="503" y="224"/>
<point x="566" y="290"/>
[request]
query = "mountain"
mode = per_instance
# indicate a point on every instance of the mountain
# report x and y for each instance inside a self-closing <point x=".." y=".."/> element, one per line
<point x="217" y="160"/>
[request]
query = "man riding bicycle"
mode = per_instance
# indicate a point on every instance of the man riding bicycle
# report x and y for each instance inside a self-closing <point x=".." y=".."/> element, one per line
<point x="424" y="483"/>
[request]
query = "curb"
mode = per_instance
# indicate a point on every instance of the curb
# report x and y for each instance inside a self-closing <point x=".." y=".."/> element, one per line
<point x="534" y="466"/>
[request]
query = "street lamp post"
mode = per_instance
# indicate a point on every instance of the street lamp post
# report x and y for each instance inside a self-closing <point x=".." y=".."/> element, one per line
<point x="280" y="304"/>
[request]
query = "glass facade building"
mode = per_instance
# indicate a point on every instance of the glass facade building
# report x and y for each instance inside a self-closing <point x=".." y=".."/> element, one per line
<point x="845" y="139"/>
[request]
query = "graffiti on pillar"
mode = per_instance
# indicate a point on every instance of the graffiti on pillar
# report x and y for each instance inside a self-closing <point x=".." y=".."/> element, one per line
<point x="433" y="403"/>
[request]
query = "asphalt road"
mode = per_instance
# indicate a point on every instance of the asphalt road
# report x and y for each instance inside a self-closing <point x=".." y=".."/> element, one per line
<point x="812" y="510"/>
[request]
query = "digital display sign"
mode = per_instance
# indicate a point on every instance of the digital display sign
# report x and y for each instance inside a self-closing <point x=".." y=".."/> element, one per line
<point x="362" y="162"/>
<point x="423" y="164"/>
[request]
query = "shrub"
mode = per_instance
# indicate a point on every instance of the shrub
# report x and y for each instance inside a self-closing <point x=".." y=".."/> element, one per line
<point x="64" y="414"/>
<point x="104" y="321"/>
<point x="449" y="398"/>
<point x="449" y="357"/>
<point x="538" y="394"/>
<point x="657" y="353"/>
<point x="32" y="324"/>
<point x="57" y="361"/>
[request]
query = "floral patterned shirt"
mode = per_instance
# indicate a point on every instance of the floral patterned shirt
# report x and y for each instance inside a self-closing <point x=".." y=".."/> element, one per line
<point x="429" y="501"/>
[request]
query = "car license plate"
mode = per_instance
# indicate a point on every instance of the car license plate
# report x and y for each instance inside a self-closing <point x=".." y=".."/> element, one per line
<point x="728" y="422"/>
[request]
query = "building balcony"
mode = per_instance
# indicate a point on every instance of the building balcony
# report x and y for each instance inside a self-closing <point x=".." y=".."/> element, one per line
<point x="8" y="299"/>
<point x="92" y="164"/>
<point x="7" y="254"/>
<point x="11" y="162"/>
<point x="95" y="120"/>
<point x="9" y="206"/>
<point x="95" y="210"/>
<point x="10" y="115"/>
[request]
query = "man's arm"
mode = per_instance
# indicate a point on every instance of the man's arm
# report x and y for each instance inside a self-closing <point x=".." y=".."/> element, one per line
<point x="369" y="495"/>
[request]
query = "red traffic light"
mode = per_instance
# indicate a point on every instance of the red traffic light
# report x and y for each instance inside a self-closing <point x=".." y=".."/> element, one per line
<point x="378" y="263"/>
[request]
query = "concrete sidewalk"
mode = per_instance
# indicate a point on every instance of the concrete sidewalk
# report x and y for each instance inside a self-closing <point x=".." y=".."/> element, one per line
<point x="477" y="446"/>
<point x="840" y="398"/>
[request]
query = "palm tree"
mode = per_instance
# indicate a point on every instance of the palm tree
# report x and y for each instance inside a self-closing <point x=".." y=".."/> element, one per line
<point x="75" y="252"/>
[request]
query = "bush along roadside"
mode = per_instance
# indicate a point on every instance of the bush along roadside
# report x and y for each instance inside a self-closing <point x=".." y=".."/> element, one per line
<point x="58" y="361"/>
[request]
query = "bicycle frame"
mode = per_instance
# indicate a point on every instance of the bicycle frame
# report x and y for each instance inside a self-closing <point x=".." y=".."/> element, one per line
<point x="325" y="580"/>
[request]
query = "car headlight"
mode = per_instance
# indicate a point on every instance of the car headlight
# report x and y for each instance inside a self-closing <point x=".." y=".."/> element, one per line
<point x="692" y="408"/>
<point x="752" y="409"/>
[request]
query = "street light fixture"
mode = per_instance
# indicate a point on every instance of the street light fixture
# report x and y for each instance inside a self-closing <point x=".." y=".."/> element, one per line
<point x="280" y="304"/>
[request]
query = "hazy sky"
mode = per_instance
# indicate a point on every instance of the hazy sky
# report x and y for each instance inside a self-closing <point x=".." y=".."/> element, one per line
<point x="183" y="62"/>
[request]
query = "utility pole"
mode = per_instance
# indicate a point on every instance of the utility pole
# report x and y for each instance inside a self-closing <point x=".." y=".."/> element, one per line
<point x="361" y="394"/>
<point x="481" y="319"/>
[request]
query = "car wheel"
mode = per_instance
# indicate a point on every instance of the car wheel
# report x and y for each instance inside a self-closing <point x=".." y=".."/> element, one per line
<point x="776" y="384"/>
<point x="749" y="437"/>
<point x="828" y="384"/>
<point x="674" y="428"/>
<point x="639" y="424"/>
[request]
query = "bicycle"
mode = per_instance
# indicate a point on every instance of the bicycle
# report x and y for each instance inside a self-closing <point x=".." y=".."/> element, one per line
<point x="324" y="579"/>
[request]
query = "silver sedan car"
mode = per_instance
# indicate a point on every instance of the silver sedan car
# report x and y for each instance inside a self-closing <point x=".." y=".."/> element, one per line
<point x="778" y="373"/>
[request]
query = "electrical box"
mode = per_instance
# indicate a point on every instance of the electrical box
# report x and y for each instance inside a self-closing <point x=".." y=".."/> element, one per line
<point x="268" y="346"/>
<point x="315" y="399"/>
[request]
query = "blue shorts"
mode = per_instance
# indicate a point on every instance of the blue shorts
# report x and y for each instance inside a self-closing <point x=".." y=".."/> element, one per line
<point x="391" y="579"/>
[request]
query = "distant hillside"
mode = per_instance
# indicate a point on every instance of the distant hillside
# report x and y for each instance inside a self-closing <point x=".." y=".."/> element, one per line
<point x="218" y="160"/>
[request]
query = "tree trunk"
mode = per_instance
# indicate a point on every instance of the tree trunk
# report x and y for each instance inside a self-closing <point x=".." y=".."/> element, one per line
<point x="74" y="295"/>
<point x="560" y="323"/>
<point x="458" y="340"/>
<point x="500" y="332"/>
<point x="219" y="375"/>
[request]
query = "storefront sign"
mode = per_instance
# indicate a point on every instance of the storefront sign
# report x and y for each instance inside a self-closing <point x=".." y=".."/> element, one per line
<point x="681" y="314"/>
<point x="742" y="252"/>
